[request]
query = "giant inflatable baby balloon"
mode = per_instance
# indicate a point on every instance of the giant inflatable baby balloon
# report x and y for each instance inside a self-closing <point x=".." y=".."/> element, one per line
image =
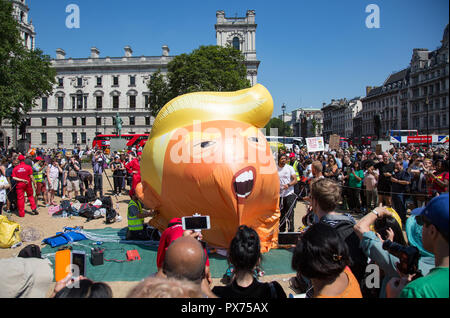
<point x="206" y="155"/>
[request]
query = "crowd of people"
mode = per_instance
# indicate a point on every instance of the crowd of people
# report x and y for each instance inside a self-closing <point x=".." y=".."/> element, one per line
<point x="390" y="194"/>
<point x="42" y="174"/>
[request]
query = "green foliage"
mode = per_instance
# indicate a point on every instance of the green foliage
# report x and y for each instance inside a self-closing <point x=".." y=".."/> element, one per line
<point x="24" y="75"/>
<point x="208" y="68"/>
<point x="283" y="128"/>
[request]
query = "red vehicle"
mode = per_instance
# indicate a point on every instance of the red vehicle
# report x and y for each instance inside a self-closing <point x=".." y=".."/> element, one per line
<point x="135" y="140"/>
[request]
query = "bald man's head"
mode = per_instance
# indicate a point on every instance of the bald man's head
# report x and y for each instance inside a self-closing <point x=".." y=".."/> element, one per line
<point x="185" y="259"/>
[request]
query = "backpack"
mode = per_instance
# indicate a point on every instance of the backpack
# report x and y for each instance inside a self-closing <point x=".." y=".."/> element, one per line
<point x="31" y="250"/>
<point x="110" y="212"/>
<point x="90" y="195"/>
<point x="9" y="232"/>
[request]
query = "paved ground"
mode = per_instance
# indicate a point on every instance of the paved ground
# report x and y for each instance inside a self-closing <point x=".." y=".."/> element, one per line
<point x="48" y="226"/>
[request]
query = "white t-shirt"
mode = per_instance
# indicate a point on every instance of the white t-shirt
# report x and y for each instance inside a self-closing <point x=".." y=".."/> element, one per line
<point x="3" y="182"/>
<point x="285" y="174"/>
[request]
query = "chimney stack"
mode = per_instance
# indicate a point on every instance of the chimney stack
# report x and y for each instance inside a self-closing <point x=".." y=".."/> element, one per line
<point x="165" y="50"/>
<point x="128" y="51"/>
<point x="94" y="53"/>
<point x="60" y="54"/>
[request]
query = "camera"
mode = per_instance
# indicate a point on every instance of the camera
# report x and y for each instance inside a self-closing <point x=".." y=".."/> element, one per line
<point x="408" y="256"/>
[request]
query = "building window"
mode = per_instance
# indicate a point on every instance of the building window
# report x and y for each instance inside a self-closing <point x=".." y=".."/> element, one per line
<point x="99" y="81"/>
<point x="44" y="103"/>
<point x="132" y="80"/>
<point x="74" y="121"/>
<point x="116" y="102"/>
<point x="147" y="120"/>
<point x="79" y="81"/>
<point x="60" y="121"/>
<point x="43" y="138"/>
<point x="115" y="80"/>
<point x="146" y="101"/>
<point x="236" y="43"/>
<point x="60" y="81"/>
<point x="74" y="138"/>
<point x="99" y="102"/>
<point x="73" y="102"/>
<point x="59" y="138"/>
<point x="79" y="101"/>
<point x="98" y="121"/>
<point x="132" y="101"/>
<point x="43" y="122"/>
<point x="60" y="103"/>
<point x="83" y="138"/>
<point x="132" y="121"/>
<point x="83" y="121"/>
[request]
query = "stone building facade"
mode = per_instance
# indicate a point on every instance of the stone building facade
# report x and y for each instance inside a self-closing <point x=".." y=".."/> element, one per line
<point x="91" y="91"/>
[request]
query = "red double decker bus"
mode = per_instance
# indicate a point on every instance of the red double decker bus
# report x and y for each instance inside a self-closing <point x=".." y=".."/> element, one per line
<point x="133" y="140"/>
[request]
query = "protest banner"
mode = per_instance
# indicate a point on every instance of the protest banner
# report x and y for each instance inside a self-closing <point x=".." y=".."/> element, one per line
<point x="315" y="144"/>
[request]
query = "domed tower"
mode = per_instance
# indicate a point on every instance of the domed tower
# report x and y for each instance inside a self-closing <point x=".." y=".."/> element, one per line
<point x="20" y="13"/>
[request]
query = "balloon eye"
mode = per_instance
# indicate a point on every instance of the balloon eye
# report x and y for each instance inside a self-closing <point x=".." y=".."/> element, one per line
<point x="254" y="139"/>
<point x="206" y="144"/>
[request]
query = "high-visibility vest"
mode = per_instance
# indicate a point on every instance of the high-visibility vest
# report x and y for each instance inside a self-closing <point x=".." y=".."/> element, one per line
<point x="296" y="170"/>
<point x="38" y="175"/>
<point x="135" y="223"/>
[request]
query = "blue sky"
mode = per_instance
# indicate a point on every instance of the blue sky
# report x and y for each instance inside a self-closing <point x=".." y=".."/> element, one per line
<point x="310" y="51"/>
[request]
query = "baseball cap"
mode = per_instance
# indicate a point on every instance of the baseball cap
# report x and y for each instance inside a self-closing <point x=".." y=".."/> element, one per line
<point x="436" y="211"/>
<point x="291" y="155"/>
<point x="39" y="159"/>
<point x="414" y="234"/>
<point x="21" y="158"/>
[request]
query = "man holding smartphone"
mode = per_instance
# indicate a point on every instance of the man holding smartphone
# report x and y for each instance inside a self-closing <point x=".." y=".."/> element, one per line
<point x="288" y="179"/>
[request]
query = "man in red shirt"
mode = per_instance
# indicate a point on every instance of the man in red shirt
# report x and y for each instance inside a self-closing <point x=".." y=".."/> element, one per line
<point x="173" y="232"/>
<point x="22" y="174"/>
<point x="134" y="168"/>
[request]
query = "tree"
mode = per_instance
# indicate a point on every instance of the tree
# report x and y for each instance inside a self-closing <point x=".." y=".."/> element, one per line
<point x="208" y="68"/>
<point x="25" y="75"/>
<point x="283" y="129"/>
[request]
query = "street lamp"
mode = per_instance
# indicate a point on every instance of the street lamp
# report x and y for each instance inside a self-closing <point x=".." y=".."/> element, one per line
<point x="283" y="108"/>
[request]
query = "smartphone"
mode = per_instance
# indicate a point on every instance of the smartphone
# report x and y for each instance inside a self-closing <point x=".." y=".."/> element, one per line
<point x="289" y="237"/>
<point x="79" y="261"/>
<point x="63" y="260"/>
<point x="201" y="222"/>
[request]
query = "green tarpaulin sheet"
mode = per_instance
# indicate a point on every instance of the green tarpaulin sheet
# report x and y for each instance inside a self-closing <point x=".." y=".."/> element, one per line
<point x="275" y="262"/>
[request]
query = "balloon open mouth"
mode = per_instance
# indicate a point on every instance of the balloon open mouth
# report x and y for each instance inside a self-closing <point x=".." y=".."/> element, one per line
<point x="243" y="182"/>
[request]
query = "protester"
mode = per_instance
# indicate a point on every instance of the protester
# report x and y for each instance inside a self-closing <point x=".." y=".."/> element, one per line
<point x="81" y="288"/>
<point x="185" y="259"/>
<point x="244" y="255"/>
<point x="53" y="171"/>
<point x="133" y="167"/>
<point x="435" y="220"/>
<point x="371" y="176"/>
<point x="356" y="176"/>
<point x="71" y="177"/>
<point x="388" y="226"/>
<point x="288" y="179"/>
<point x="322" y="257"/>
<point x="11" y="204"/>
<point x="118" y="174"/>
<point x="400" y="181"/>
<point x="39" y="169"/>
<point x="22" y="174"/>
<point x="325" y="197"/>
<point x="386" y="169"/>
<point x="160" y="287"/>
<point x="4" y="186"/>
<point x="98" y="167"/>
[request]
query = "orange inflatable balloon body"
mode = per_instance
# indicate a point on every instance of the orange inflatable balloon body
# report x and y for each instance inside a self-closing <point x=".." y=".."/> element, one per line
<point x="206" y="155"/>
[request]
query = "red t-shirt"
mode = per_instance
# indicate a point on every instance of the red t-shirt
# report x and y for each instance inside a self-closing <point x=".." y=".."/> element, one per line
<point x="168" y="236"/>
<point x="441" y="177"/>
<point x="22" y="171"/>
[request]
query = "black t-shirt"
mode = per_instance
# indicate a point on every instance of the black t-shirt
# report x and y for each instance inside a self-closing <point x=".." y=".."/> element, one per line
<point x="117" y="165"/>
<point x="384" y="183"/>
<point x="255" y="290"/>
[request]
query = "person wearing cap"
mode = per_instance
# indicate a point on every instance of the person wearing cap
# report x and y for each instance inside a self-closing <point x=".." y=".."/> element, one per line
<point x="39" y="168"/>
<point x="22" y="174"/>
<point x="98" y="166"/>
<point x="434" y="218"/>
